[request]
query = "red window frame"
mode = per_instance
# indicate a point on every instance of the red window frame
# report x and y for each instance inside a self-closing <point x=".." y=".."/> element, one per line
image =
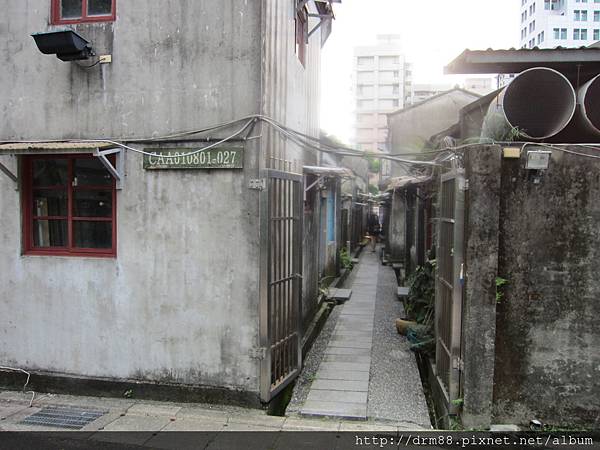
<point x="28" y="217"/>
<point x="57" y="19"/>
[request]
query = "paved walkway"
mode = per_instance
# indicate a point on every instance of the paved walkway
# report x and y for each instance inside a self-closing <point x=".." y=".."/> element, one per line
<point x="341" y="385"/>
<point x="361" y="378"/>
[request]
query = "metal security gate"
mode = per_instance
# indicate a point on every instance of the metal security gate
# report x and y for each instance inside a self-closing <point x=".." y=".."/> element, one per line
<point x="449" y="285"/>
<point x="281" y="209"/>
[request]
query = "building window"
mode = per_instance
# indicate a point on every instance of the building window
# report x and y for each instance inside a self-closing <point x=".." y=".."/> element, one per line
<point x="576" y="34"/>
<point x="563" y="33"/>
<point x="596" y="16"/>
<point x="76" y="11"/>
<point x="584" y="34"/>
<point x="69" y="206"/>
<point x="597" y="35"/>
<point x="577" y="16"/>
<point x="302" y="34"/>
<point x="556" y="33"/>
<point x="584" y="16"/>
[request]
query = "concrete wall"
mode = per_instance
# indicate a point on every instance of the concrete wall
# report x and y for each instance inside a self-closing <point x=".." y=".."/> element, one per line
<point x="411" y="128"/>
<point x="547" y="335"/>
<point x="532" y="352"/>
<point x="162" y="310"/>
<point x="180" y="301"/>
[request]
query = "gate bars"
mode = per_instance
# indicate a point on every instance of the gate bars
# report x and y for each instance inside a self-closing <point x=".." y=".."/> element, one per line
<point x="281" y="206"/>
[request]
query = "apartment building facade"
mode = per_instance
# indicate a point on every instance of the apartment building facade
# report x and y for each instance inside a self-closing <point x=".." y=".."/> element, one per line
<point x="381" y="84"/>
<point x="564" y="23"/>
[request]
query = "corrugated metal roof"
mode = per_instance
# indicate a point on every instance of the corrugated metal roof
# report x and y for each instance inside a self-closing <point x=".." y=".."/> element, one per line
<point x="516" y="60"/>
<point x="317" y="170"/>
<point x="52" y="146"/>
<point x="407" y="180"/>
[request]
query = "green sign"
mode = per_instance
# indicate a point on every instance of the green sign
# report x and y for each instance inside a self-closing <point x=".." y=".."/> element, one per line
<point x="229" y="157"/>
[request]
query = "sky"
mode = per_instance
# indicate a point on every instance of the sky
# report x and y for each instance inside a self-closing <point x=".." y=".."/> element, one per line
<point x="433" y="32"/>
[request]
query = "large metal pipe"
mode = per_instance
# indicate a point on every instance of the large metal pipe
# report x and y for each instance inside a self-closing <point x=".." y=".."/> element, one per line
<point x="537" y="104"/>
<point x="588" y="98"/>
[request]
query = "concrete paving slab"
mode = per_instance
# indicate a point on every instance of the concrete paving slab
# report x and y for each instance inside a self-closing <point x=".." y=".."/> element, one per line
<point x="359" y="367"/>
<point x="348" y="359"/>
<point x="350" y="343"/>
<point x="341" y="385"/>
<point x="138" y="423"/>
<point x="142" y="409"/>
<point x="314" y="424"/>
<point x="320" y="395"/>
<point x="194" y="425"/>
<point x="9" y="410"/>
<point x="357" y="411"/>
<point x="350" y="375"/>
<point x="347" y="351"/>
<point x="368" y="426"/>
<point x="195" y="412"/>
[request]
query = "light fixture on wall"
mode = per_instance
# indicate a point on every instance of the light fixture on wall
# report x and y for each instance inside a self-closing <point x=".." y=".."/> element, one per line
<point x="67" y="45"/>
<point x="538" y="159"/>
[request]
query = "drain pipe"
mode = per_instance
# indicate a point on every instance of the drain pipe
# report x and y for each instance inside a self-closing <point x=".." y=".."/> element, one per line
<point x="538" y="104"/>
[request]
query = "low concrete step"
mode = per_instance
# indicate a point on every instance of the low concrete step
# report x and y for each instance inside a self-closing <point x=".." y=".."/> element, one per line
<point x="339" y="295"/>
<point x="403" y="291"/>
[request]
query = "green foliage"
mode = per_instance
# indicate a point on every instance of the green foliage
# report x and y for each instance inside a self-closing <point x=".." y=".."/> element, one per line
<point x="499" y="283"/>
<point x="458" y="402"/>
<point x="345" y="259"/>
<point x="374" y="164"/>
<point x="421" y="295"/>
<point x="373" y="190"/>
<point x="128" y="393"/>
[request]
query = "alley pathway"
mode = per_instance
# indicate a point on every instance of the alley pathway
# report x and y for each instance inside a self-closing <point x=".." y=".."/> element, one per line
<point x="367" y="370"/>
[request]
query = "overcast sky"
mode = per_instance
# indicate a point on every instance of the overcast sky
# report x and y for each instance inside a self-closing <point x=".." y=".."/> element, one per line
<point x="433" y="32"/>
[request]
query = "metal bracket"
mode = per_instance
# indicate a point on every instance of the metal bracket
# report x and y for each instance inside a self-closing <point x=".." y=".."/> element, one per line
<point x="259" y="184"/>
<point x="314" y="183"/>
<point x="118" y="172"/>
<point x="10" y="175"/>
<point x="258" y="353"/>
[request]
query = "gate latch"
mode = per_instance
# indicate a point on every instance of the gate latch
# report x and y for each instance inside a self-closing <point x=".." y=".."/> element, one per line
<point x="258" y="353"/>
<point x="260" y="184"/>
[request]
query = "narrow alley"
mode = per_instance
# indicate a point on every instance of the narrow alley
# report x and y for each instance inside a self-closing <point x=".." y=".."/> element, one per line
<point x="359" y="367"/>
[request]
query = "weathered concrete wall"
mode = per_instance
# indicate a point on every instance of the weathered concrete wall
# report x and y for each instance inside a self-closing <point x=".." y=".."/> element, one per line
<point x="177" y="65"/>
<point x="177" y="304"/>
<point x="180" y="301"/>
<point x="547" y="335"/>
<point x="481" y="267"/>
<point x="411" y="128"/>
<point x="397" y="226"/>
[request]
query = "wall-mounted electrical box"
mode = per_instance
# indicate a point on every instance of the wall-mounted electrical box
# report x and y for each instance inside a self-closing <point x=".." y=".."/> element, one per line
<point x="538" y="159"/>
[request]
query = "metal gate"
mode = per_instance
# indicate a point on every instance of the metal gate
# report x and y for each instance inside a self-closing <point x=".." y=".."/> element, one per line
<point x="281" y="280"/>
<point x="449" y="285"/>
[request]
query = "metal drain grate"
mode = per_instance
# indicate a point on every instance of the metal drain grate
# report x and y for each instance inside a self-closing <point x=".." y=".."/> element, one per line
<point x="69" y="417"/>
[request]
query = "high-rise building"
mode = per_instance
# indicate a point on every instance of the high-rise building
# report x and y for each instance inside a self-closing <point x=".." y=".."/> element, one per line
<point x="565" y="23"/>
<point x="381" y="85"/>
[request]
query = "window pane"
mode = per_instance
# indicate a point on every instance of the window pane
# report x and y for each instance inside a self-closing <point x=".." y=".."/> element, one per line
<point x="50" y="172"/>
<point x="92" y="234"/>
<point x="91" y="172"/>
<point x="99" y="7"/>
<point x="70" y="9"/>
<point x="49" y="233"/>
<point x="49" y="203"/>
<point x="92" y="203"/>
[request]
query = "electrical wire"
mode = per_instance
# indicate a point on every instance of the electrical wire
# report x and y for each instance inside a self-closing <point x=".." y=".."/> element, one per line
<point x="16" y="369"/>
